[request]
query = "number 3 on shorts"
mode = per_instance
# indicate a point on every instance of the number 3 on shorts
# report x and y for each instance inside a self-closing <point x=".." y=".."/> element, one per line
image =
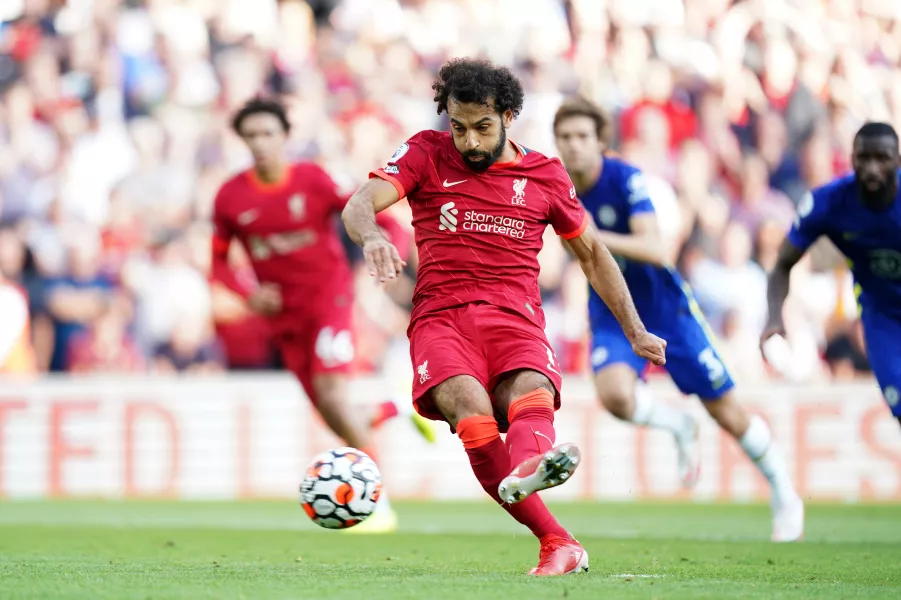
<point x="334" y="348"/>
<point x="551" y="360"/>
<point x="715" y="368"/>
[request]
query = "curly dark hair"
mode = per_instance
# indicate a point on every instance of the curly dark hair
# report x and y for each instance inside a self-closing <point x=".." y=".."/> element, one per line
<point x="258" y="106"/>
<point x="478" y="81"/>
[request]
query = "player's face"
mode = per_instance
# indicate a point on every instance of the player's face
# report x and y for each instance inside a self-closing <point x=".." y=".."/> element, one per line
<point x="264" y="135"/>
<point x="578" y="144"/>
<point x="480" y="133"/>
<point x="876" y="164"/>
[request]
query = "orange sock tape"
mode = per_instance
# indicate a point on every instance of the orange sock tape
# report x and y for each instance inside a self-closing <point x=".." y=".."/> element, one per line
<point x="477" y="431"/>
<point x="540" y="398"/>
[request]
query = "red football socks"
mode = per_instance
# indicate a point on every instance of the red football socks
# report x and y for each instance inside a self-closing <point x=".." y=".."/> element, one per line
<point x="531" y="431"/>
<point x="491" y="463"/>
<point x="383" y="412"/>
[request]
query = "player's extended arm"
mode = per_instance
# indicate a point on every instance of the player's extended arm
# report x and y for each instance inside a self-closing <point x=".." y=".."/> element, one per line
<point x="358" y="216"/>
<point x="778" y="286"/>
<point x="644" y="244"/>
<point x="605" y="277"/>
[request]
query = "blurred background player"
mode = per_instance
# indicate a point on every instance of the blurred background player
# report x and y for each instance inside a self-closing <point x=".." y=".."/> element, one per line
<point x="615" y="194"/>
<point x="285" y="218"/>
<point x="861" y="214"/>
<point x="481" y="204"/>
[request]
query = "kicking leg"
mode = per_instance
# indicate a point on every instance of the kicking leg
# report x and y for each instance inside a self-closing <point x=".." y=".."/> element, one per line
<point x="756" y="439"/>
<point x="527" y="397"/>
<point x="625" y="398"/>
<point x="466" y="406"/>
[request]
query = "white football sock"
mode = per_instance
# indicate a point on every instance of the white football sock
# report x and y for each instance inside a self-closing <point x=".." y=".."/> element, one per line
<point x="651" y="413"/>
<point x="757" y="442"/>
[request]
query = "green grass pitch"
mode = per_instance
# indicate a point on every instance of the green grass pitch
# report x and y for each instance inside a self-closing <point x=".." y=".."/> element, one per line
<point x="470" y="551"/>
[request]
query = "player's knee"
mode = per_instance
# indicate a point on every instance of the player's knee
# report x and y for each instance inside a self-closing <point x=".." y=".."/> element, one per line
<point x="461" y="397"/>
<point x="619" y="402"/>
<point x="516" y="384"/>
<point x="330" y="389"/>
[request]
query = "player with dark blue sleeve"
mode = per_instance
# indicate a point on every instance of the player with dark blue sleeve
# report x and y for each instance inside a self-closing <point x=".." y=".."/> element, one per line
<point x="614" y="193"/>
<point x="861" y="215"/>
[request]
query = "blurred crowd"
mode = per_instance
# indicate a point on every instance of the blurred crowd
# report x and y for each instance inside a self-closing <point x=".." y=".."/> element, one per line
<point x="114" y="139"/>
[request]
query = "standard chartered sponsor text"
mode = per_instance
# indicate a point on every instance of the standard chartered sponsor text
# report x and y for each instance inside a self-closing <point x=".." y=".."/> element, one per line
<point x="497" y="224"/>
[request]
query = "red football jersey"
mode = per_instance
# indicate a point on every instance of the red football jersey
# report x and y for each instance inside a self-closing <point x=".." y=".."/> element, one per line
<point x="289" y="230"/>
<point x="479" y="234"/>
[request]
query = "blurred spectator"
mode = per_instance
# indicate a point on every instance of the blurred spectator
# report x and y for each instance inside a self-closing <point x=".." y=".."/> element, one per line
<point x="740" y="349"/>
<point x="105" y="346"/>
<point x="113" y="126"/>
<point x="189" y="349"/>
<point x="75" y="298"/>
<point x="757" y="201"/>
<point x="732" y="283"/>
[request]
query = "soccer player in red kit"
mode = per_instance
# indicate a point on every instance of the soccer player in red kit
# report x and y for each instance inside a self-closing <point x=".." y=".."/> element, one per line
<point x="285" y="217"/>
<point x="482" y="362"/>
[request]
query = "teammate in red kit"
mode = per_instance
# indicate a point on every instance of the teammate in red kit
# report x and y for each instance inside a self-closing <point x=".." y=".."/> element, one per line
<point x="285" y="217"/>
<point x="482" y="362"/>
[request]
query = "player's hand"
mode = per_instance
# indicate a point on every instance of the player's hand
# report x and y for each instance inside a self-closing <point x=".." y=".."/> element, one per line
<point x="775" y="349"/>
<point x="382" y="258"/>
<point x="650" y="347"/>
<point x="771" y="330"/>
<point x="266" y="300"/>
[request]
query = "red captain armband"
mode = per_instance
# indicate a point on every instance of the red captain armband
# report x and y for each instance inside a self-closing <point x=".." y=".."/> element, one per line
<point x="401" y="193"/>
<point x="574" y="234"/>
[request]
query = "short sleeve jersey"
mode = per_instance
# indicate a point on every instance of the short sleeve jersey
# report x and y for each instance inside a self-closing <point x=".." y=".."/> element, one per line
<point x="869" y="239"/>
<point x="479" y="234"/>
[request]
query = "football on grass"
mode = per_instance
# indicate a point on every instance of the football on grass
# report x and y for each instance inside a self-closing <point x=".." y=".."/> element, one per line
<point x="341" y="488"/>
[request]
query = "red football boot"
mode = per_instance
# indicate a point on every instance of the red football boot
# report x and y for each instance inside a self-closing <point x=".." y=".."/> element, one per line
<point x="560" y="556"/>
<point x="541" y="472"/>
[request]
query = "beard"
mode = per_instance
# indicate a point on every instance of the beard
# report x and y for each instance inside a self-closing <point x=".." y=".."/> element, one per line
<point x="486" y="158"/>
<point x="881" y="195"/>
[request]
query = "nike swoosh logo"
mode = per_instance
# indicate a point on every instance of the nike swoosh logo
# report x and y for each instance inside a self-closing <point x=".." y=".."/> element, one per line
<point x="452" y="184"/>
<point x="542" y="435"/>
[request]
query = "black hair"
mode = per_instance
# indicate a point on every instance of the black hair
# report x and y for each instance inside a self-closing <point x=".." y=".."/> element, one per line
<point x="258" y="106"/>
<point x="874" y="129"/>
<point x="473" y="80"/>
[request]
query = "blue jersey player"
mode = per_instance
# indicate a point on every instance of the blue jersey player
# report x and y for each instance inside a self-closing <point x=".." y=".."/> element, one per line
<point x="615" y="194"/>
<point x="861" y="215"/>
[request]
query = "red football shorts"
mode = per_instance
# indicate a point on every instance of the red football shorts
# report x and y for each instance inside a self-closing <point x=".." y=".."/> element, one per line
<point x="317" y="342"/>
<point x="480" y="340"/>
